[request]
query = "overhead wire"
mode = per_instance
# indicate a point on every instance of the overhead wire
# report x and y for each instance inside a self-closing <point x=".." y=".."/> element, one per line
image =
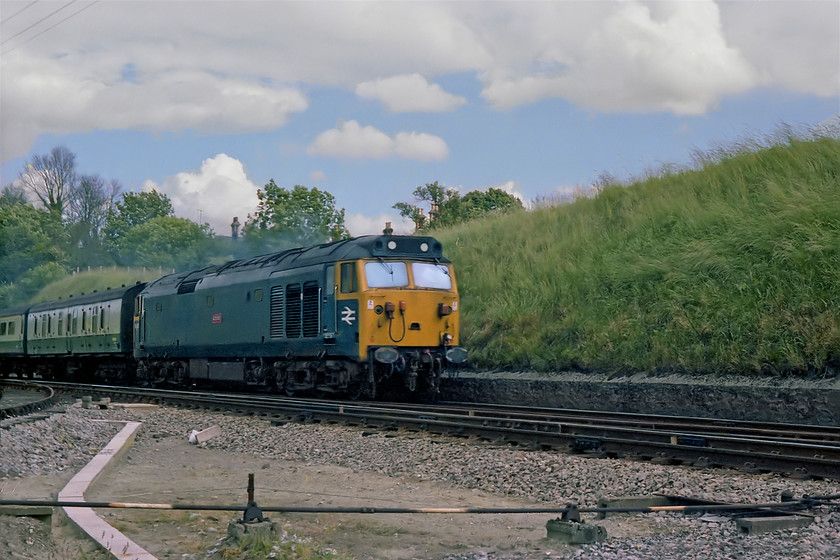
<point x="46" y="17"/>
<point x="19" y="11"/>
<point x="53" y="26"/>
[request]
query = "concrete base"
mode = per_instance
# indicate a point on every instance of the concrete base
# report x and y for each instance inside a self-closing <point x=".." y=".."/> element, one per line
<point x="267" y="529"/>
<point x="38" y="512"/>
<point x="573" y="532"/>
<point x="755" y="525"/>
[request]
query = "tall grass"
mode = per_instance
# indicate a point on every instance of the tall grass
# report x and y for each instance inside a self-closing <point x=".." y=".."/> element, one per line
<point x="730" y="267"/>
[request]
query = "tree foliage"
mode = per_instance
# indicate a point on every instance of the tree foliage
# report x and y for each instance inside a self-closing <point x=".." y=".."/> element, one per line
<point x="133" y="210"/>
<point x="293" y="218"/>
<point x="32" y="251"/>
<point x="167" y="242"/>
<point x="29" y="237"/>
<point x="447" y="207"/>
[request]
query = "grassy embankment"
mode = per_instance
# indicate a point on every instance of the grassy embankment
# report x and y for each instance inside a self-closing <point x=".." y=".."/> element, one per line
<point x="96" y="280"/>
<point x="733" y="267"/>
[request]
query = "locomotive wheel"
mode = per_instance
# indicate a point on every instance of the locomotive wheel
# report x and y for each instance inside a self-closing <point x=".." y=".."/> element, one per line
<point x="361" y="390"/>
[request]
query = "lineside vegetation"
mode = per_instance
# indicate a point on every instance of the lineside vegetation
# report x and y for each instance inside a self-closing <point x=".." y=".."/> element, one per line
<point x="732" y="267"/>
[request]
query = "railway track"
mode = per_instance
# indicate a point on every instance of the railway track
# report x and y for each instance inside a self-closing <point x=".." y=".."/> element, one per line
<point x="20" y="399"/>
<point x="797" y="450"/>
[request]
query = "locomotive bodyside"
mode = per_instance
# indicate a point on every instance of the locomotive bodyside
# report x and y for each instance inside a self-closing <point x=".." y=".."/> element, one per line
<point x="321" y="318"/>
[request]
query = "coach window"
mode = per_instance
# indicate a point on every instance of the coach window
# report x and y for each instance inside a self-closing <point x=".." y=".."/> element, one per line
<point x="348" y="278"/>
<point x="75" y="321"/>
<point x="3" y="328"/>
<point x="60" y="324"/>
<point x="12" y="327"/>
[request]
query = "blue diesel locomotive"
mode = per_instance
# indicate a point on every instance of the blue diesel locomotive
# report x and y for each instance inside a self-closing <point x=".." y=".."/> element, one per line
<point x="364" y="317"/>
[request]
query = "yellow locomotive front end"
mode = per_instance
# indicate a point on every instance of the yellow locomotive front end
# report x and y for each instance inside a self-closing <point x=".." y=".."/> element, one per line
<point x="408" y="318"/>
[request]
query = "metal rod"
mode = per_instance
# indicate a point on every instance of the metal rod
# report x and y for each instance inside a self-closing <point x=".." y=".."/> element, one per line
<point x="391" y="510"/>
<point x="251" y="487"/>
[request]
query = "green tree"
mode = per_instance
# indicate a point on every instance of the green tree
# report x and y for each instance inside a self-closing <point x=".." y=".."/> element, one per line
<point x="28" y="237"/>
<point x="168" y="242"/>
<point x="31" y="251"/>
<point x="478" y="203"/>
<point x="447" y="207"/>
<point x="133" y="210"/>
<point x="293" y="218"/>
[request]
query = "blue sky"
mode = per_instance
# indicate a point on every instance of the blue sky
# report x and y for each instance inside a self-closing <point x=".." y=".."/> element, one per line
<point x="207" y="101"/>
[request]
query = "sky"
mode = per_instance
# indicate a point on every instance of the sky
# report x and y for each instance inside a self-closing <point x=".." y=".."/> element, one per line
<point x="206" y="101"/>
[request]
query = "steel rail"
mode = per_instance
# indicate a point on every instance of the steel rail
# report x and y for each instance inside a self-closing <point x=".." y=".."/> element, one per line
<point x="791" y="506"/>
<point x="47" y="399"/>
<point x="691" y="443"/>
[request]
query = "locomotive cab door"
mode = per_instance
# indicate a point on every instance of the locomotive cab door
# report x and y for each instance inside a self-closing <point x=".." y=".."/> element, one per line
<point x="328" y="306"/>
<point x="139" y="322"/>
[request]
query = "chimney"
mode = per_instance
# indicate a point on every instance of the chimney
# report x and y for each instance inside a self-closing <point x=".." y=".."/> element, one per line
<point x="234" y="228"/>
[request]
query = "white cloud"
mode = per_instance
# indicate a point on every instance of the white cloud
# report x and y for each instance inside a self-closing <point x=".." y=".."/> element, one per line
<point x="214" y="194"/>
<point x="57" y="102"/>
<point x="360" y="224"/>
<point x="636" y="57"/>
<point x="793" y="45"/>
<point x="410" y="92"/>
<point x="317" y="176"/>
<point x="230" y="67"/>
<point x="354" y="141"/>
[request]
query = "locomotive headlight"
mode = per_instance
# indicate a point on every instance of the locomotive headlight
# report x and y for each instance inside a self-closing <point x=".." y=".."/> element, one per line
<point x="446" y="339"/>
<point x="444" y="310"/>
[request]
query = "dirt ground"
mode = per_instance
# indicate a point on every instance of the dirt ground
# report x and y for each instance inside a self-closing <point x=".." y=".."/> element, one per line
<point x="173" y="471"/>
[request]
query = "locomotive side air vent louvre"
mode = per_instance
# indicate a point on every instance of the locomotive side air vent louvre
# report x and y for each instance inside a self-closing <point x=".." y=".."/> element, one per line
<point x="187" y="286"/>
<point x="311" y="309"/>
<point x="276" y="319"/>
<point x="293" y="301"/>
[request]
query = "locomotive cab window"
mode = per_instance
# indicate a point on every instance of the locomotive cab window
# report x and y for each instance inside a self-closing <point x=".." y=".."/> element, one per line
<point x="431" y="275"/>
<point x="384" y="274"/>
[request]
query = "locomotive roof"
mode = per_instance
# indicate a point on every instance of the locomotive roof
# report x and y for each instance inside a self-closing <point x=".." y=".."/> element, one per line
<point x="365" y="247"/>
